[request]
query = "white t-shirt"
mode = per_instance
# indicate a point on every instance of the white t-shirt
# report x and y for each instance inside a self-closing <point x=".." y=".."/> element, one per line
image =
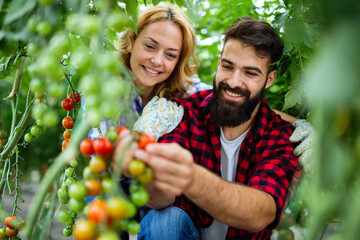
<point x="229" y="156"/>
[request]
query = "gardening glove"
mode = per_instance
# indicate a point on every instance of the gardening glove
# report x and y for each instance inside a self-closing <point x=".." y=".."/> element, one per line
<point x="305" y="133"/>
<point x="159" y="116"/>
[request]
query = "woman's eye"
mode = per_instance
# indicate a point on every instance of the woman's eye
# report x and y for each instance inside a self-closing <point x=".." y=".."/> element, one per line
<point x="171" y="56"/>
<point x="148" y="46"/>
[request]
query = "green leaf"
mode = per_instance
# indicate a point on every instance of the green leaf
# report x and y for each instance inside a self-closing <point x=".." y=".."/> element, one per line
<point x="292" y="97"/>
<point x="19" y="8"/>
<point x="155" y="2"/>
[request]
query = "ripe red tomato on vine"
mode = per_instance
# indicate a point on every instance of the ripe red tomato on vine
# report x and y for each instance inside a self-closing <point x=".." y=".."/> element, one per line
<point x="86" y="147"/>
<point x="67" y="104"/>
<point x="68" y="122"/>
<point x="102" y="146"/>
<point x="145" y="139"/>
<point x="77" y="97"/>
<point x="65" y="143"/>
<point x="97" y="211"/>
<point x="11" y="221"/>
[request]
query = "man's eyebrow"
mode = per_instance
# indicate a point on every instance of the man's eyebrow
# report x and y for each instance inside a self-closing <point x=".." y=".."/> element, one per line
<point x="157" y="43"/>
<point x="227" y="61"/>
<point x="256" y="69"/>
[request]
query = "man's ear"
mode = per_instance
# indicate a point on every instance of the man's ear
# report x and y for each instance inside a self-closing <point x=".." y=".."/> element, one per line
<point x="270" y="79"/>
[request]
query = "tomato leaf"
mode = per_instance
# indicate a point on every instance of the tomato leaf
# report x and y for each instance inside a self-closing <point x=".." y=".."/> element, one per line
<point x="19" y="8"/>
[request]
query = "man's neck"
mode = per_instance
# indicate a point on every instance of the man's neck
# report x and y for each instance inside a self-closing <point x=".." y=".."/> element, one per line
<point x="231" y="133"/>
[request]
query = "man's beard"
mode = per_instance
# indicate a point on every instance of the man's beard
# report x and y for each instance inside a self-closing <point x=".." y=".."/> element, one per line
<point x="228" y="113"/>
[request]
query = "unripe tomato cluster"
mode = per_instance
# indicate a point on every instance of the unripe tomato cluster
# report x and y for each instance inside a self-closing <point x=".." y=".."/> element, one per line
<point x="13" y="226"/>
<point x="106" y="212"/>
<point x="3" y="137"/>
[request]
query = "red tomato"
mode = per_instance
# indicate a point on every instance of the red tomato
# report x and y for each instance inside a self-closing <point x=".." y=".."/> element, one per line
<point x="11" y="221"/>
<point x="11" y="232"/>
<point x="67" y="104"/>
<point x="145" y="139"/>
<point x="65" y="143"/>
<point x="120" y="129"/>
<point x="77" y="97"/>
<point x="97" y="211"/>
<point x="102" y="146"/>
<point x="0" y="123"/>
<point x="68" y="122"/>
<point x="67" y="134"/>
<point x="93" y="187"/>
<point x="86" y="147"/>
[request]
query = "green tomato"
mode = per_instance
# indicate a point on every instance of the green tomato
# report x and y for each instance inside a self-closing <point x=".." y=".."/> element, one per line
<point x="65" y="217"/>
<point x="44" y="28"/>
<point x="118" y="21"/>
<point x="69" y="172"/>
<point x="62" y="192"/>
<point x="77" y="191"/>
<point x="46" y="2"/>
<point x="131" y="210"/>
<point x="50" y="118"/>
<point x="28" y="137"/>
<point x="3" y="233"/>
<point x="35" y="131"/>
<point x="56" y="90"/>
<point x="82" y="60"/>
<point x="76" y="205"/>
<point x="140" y="198"/>
<point x="39" y="111"/>
<point x="69" y="181"/>
<point x="73" y="162"/>
<point x="108" y="235"/>
<point x="67" y="231"/>
<point x="37" y="85"/>
<point x="60" y="44"/>
<point x="133" y="227"/>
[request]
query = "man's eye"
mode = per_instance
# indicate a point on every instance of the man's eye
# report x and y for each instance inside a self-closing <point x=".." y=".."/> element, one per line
<point x="226" y="66"/>
<point x="251" y="73"/>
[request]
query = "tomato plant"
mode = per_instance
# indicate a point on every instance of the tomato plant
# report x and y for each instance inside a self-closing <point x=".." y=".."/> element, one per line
<point x="85" y="230"/>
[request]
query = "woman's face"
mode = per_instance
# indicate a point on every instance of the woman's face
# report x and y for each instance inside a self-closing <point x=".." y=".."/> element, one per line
<point x="155" y="53"/>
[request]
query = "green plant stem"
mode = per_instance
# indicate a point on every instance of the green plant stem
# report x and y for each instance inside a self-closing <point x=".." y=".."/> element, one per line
<point x="13" y="96"/>
<point x="18" y="132"/>
<point x="53" y="172"/>
<point x="3" y="179"/>
<point x="16" y="183"/>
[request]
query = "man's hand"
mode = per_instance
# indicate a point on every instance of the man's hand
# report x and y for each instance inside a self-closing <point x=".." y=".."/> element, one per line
<point x="172" y="166"/>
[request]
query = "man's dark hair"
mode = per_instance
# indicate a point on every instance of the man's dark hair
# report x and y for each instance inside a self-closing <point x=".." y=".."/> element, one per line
<point x="259" y="34"/>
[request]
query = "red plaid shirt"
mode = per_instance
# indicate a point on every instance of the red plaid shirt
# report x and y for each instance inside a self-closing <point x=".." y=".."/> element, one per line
<point x="265" y="162"/>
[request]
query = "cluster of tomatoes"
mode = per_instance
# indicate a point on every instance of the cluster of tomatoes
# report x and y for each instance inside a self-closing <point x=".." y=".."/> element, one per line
<point x="106" y="212"/>
<point x="68" y="123"/>
<point x="13" y="226"/>
<point x="3" y="137"/>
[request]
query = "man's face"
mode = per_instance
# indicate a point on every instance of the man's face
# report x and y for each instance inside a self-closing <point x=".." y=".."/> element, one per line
<point x="239" y="84"/>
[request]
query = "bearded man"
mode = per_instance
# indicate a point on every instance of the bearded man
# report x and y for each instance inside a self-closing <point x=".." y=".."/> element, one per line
<point x="226" y="170"/>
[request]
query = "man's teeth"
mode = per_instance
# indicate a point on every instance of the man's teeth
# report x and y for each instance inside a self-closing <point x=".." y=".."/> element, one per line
<point x="151" y="71"/>
<point x="232" y="94"/>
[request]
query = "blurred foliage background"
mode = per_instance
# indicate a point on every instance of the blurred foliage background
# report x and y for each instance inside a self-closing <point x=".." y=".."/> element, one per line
<point x="318" y="79"/>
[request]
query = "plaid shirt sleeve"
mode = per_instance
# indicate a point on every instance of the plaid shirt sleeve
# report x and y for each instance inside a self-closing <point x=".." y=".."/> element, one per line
<point x="277" y="170"/>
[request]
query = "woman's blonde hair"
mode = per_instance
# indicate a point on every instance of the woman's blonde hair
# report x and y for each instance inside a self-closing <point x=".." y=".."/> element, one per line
<point x="177" y="83"/>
